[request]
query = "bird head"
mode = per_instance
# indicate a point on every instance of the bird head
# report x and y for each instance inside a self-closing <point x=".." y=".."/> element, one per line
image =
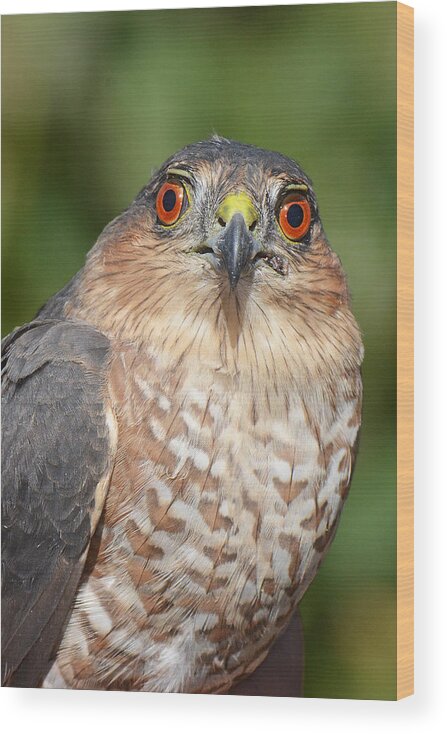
<point x="232" y="215"/>
<point x="224" y="241"/>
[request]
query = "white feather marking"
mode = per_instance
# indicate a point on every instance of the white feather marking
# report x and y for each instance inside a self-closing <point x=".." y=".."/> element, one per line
<point x="157" y="429"/>
<point x="200" y="458"/>
<point x="218" y="468"/>
<point x="54" y="678"/>
<point x="197" y="397"/>
<point x="205" y="621"/>
<point x="164" y="403"/>
<point x="191" y="515"/>
<point x="141" y="519"/>
<point x="191" y="422"/>
<point x="334" y="477"/>
<point x="97" y="616"/>
<point x="280" y="469"/>
<point x="183" y="450"/>
<point x="280" y="565"/>
<point x="216" y="412"/>
<point x="128" y="598"/>
<point x="179" y="447"/>
<point x="164" y="493"/>
<point x="195" y="558"/>
<point x="145" y="388"/>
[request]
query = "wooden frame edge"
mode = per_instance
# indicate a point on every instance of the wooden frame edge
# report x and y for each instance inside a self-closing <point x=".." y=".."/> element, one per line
<point x="405" y="352"/>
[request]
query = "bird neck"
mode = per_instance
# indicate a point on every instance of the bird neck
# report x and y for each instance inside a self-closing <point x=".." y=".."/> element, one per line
<point x="229" y="333"/>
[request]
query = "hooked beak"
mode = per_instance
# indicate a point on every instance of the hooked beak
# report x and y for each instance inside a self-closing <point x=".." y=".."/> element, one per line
<point x="237" y="248"/>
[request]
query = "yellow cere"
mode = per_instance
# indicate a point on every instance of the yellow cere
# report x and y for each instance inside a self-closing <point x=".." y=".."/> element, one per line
<point x="238" y="202"/>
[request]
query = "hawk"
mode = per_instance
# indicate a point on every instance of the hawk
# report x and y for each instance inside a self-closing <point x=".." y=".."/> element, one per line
<point x="180" y="426"/>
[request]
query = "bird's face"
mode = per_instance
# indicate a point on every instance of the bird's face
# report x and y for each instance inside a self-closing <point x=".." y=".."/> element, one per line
<point x="239" y="219"/>
<point x="224" y="241"/>
<point x="233" y="217"/>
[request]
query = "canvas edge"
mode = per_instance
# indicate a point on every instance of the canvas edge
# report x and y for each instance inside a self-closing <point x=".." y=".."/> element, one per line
<point x="405" y="352"/>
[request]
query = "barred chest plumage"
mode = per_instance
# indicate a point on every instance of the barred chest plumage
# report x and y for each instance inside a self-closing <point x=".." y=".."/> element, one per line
<point x="223" y="500"/>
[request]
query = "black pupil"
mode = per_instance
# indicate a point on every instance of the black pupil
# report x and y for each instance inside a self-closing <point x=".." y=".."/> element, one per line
<point x="295" y="215"/>
<point x="169" y="200"/>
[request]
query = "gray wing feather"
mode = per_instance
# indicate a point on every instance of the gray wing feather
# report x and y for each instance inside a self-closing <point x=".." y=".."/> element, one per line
<point x="56" y="449"/>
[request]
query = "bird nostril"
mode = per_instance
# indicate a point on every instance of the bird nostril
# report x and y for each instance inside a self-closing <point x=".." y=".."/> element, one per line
<point x="223" y="223"/>
<point x="203" y="249"/>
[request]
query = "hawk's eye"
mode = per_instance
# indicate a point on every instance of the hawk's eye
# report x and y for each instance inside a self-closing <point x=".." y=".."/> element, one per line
<point x="294" y="217"/>
<point x="170" y="200"/>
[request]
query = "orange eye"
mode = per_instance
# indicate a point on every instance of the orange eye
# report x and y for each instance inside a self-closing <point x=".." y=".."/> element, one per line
<point x="294" y="218"/>
<point x="169" y="203"/>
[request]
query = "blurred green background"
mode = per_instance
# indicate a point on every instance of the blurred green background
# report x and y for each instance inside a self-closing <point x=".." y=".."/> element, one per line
<point x="92" y="102"/>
